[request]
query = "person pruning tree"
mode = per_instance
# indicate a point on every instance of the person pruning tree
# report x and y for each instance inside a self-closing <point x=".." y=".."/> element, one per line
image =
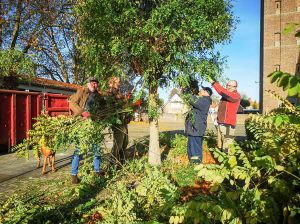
<point x="81" y="103"/>
<point x="227" y="112"/>
<point x="196" y="123"/>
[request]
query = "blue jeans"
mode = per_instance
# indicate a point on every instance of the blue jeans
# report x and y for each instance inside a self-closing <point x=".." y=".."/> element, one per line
<point x="195" y="148"/>
<point x="77" y="157"/>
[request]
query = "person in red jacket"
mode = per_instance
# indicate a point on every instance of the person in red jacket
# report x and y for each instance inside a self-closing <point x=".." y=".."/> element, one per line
<point x="228" y="107"/>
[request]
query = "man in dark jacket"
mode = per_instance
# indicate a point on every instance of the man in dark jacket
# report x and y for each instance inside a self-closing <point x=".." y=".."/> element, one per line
<point x="81" y="103"/>
<point x="196" y="122"/>
<point x="227" y="112"/>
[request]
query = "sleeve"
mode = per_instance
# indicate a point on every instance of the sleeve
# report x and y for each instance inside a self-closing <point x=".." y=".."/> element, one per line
<point x="230" y="96"/>
<point x="74" y="102"/>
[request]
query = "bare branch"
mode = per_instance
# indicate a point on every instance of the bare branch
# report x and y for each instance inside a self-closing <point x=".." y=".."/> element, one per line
<point x="17" y="25"/>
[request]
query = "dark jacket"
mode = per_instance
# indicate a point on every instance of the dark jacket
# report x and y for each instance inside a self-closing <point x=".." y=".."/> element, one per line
<point x="196" y="120"/>
<point x="228" y="106"/>
<point x="119" y="102"/>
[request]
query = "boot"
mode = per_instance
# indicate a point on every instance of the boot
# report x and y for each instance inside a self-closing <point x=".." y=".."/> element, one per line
<point x="75" y="179"/>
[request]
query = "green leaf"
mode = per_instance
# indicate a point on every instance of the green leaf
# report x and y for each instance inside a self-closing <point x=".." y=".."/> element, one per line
<point x="275" y="76"/>
<point x="294" y="91"/>
<point x="279" y="168"/>
<point x="171" y="220"/>
<point x="284" y="80"/>
<point x="168" y="58"/>
<point x="293" y="81"/>
<point x="273" y="73"/>
<point x="176" y="220"/>
<point x="278" y="121"/>
<point x="232" y="161"/>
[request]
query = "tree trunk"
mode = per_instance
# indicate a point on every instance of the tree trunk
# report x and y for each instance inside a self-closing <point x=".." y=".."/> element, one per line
<point x="154" y="150"/>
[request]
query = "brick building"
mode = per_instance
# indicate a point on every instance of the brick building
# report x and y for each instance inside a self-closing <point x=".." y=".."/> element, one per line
<point x="278" y="51"/>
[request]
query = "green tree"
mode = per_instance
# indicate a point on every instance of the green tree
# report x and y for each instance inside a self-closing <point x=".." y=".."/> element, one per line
<point x="13" y="62"/>
<point x="255" y="105"/>
<point x="45" y="29"/>
<point x="162" y="41"/>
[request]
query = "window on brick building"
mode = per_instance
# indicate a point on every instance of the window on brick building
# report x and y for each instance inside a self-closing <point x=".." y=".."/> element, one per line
<point x="278" y="7"/>
<point x="277" y="67"/>
<point x="277" y="39"/>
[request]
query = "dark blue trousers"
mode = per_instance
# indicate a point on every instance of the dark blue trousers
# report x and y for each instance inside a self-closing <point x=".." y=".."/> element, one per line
<point x="195" y="148"/>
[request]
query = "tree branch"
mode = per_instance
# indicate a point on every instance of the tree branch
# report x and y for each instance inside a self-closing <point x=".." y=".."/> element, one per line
<point x="17" y="25"/>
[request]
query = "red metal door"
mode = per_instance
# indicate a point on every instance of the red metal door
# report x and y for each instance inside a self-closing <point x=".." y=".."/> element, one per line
<point x="5" y="102"/>
<point x="17" y="112"/>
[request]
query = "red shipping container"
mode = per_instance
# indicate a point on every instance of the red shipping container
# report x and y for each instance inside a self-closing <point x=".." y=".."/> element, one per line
<point x="18" y="110"/>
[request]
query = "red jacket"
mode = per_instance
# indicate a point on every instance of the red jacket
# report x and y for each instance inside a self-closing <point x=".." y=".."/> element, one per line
<point x="228" y="106"/>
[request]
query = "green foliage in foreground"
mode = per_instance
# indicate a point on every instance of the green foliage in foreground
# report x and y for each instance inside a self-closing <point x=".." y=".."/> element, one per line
<point x="258" y="181"/>
<point x="288" y="82"/>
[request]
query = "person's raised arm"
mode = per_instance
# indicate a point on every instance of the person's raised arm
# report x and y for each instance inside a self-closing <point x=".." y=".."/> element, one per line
<point x="230" y="96"/>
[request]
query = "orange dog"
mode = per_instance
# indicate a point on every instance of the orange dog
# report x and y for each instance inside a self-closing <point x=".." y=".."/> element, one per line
<point x="47" y="153"/>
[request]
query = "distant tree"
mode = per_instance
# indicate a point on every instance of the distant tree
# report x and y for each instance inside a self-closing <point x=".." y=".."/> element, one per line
<point x="44" y="29"/>
<point x="13" y="62"/>
<point x="255" y="105"/>
<point x="162" y="41"/>
<point x="245" y="103"/>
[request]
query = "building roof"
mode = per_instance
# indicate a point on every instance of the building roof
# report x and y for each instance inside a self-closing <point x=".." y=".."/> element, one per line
<point x="174" y="99"/>
<point x="33" y="81"/>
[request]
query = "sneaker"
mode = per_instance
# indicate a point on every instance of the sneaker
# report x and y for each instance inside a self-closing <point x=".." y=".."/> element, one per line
<point x="75" y="179"/>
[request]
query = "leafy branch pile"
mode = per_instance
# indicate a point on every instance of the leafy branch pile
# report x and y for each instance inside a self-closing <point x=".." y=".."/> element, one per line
<point x="61" y="133"/>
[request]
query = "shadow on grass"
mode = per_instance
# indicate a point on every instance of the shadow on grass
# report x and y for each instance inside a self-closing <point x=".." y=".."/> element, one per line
<point x="67" y="212"/>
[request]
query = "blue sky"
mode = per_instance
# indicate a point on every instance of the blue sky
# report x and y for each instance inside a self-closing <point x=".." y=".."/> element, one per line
<point x="243" y="51"/>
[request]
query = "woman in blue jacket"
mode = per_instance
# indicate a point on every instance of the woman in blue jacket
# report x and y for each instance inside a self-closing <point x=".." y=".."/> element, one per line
<point x="196" y="122"/>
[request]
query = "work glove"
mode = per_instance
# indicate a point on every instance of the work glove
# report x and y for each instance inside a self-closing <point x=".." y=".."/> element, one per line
<point x="85" y="114"/>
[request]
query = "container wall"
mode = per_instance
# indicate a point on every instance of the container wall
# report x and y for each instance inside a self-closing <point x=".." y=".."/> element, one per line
<point x="56" y="104"/>
<point x="18" y="110"/>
